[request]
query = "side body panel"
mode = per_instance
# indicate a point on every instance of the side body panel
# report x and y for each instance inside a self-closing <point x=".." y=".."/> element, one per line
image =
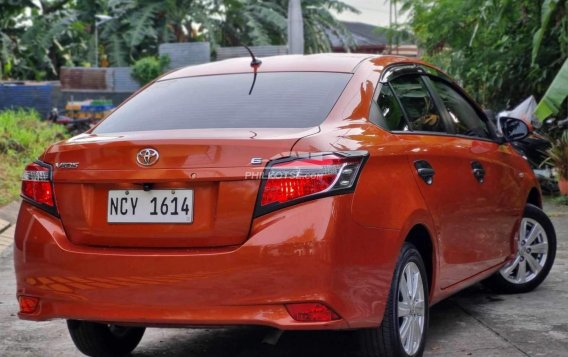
<point x="471" y="254"/>
<point x="475" y="221"/>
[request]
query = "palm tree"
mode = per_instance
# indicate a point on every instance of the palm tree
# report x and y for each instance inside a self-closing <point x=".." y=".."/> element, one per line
<point x="37" y="37"/>
<point x="319" y="22"/>
<point x="260" y="22"/>
<point x="253" y="22"/>
<point x="139" y="26"/>
<point x="295" y="27"/>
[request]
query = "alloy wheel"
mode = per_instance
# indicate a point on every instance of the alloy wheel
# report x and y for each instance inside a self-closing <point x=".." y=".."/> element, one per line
<point x="411" y="308"/>
<point x="532" y="252"/>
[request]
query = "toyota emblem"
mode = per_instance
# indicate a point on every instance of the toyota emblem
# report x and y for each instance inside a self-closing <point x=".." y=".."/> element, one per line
<point x="147" y="157"/>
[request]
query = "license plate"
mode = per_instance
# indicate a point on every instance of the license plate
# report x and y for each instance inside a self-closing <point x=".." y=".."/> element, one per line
<point x="155" y="206"/>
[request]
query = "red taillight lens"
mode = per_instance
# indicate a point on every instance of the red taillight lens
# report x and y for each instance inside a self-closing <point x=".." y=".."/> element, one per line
<point x="36" y="184"/>
<point x="291" y="179"/>
<point x="311" y="312"/>
<point x="28" y="304"/>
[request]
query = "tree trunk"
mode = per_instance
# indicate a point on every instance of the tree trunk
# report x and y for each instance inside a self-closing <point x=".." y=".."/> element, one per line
<point x="295" y="27"/>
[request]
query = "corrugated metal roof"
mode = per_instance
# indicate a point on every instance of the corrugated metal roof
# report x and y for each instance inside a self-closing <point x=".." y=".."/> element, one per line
<point x="83" y="78"/>
<point x="112" y="79"/>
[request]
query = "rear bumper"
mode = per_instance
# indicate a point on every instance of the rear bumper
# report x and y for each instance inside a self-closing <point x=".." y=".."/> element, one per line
<point x="305" y="253"/>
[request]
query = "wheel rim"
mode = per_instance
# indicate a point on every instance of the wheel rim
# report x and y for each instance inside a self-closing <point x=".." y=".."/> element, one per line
<point x="532" y="252"/>
<point x="411" y="308"/>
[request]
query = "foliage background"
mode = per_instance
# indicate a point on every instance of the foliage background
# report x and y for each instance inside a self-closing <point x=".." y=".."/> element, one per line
<point x="23" y="137"/>
<point x="501" y="51"/>
<point x="38" y="37"/>
<point x="148" y="68"/>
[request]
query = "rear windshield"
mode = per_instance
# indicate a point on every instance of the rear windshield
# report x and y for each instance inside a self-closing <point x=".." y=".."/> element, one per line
<point x="278" y="100"/>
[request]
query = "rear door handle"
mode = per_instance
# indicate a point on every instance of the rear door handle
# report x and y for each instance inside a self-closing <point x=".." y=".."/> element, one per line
<point x="425" y="171"/>
<point x="478" y="171"/>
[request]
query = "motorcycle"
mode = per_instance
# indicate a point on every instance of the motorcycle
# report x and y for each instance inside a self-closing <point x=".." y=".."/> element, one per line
<point x="73" y="126"/>
<point x="535" y="146"/>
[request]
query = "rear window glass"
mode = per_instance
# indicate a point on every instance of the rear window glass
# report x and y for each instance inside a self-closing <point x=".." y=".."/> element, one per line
<point x="278" y="100"/>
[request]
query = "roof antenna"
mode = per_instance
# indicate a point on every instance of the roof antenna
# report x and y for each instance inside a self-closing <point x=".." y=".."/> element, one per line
<point x="255" y="61"/>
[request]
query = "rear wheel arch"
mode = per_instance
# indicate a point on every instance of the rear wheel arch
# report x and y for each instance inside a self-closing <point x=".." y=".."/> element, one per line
<point x="421" y="238"/>
<point x="535" y="198"/>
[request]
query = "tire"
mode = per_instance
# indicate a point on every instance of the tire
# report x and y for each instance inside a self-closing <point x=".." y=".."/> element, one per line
<point x="95" y="339"/>
<point x="510" y="279"/>
<point x="386" y="340"/>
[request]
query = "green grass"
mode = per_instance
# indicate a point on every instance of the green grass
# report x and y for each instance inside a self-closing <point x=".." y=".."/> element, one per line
<point x="23" y="137"/>
<point x="561" y="200"/>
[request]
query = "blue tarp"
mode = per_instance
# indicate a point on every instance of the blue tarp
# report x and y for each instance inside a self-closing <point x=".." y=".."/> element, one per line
<point x="38" y="97"/>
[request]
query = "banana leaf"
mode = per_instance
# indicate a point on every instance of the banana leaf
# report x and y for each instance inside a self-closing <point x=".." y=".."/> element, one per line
<point x="548" y="9"/>
<point x="556" y="94"/>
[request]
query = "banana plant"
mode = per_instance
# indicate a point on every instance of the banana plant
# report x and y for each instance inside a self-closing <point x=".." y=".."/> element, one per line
<point x="552" y="101"/>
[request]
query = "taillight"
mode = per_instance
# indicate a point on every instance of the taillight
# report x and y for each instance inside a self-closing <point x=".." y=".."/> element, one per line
<point x="37" y="187"/>
<point x="297" y="179"/>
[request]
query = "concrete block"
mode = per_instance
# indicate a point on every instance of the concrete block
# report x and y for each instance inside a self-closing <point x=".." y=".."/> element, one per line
<point x="186" y="54"/>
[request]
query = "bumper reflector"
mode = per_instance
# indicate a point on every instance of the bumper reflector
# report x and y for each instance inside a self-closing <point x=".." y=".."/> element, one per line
<point x="311" y="312"/>
<point x="28" y="304"/>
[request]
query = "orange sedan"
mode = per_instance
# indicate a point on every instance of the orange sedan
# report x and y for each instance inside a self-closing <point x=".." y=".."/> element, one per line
<point x="320" y="192"/>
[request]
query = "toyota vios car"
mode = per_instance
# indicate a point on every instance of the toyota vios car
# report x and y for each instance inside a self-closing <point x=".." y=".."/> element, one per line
<point x="321" y="192"/>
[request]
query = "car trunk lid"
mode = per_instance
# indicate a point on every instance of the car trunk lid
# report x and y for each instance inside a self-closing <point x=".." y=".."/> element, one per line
<point x="215" y="165"/>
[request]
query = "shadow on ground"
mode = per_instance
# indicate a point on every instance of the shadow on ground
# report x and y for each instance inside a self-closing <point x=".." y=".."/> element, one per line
<point x="246" y="341"/>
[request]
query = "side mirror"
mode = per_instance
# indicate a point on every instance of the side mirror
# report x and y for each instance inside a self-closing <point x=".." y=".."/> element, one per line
<point x="513" y="129"/>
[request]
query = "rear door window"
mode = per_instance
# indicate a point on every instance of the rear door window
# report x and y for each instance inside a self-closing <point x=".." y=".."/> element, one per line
<point x="418" y="104"/>
<point x="278" y="100"/>
<point x="463" y="116"/>
<point x="391" y="116"/>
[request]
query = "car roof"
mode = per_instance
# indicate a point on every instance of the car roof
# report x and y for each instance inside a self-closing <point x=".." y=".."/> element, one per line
<point x="324" y="62"/>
